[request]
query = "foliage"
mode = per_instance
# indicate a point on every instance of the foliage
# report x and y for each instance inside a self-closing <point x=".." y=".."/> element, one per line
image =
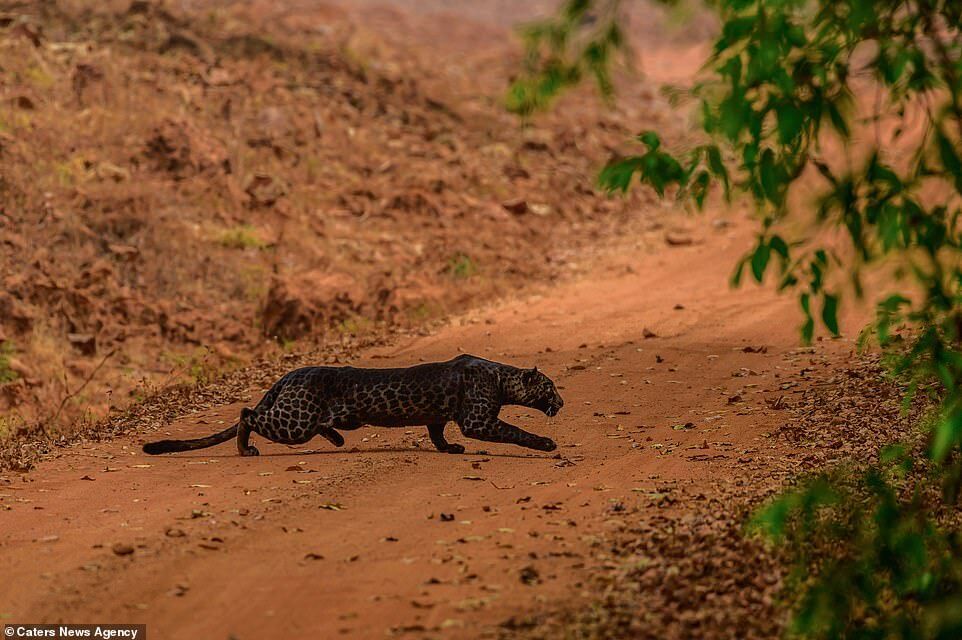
<point x="241" y="237"/>
<point x="861" y="101"/>
<point x="562" y="52"/>
<point x="460" y="266"/>
<point x="867" y="558"/>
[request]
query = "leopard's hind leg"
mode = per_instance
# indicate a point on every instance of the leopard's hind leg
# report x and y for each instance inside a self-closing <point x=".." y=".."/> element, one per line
<point x="436" y="431"/>
<point x="244" y="426"/>
<point x="332" y="436"/>
<point x="313" y="419"/>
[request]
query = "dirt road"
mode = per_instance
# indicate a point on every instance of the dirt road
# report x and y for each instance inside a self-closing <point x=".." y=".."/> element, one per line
<point x="388" y="536"/>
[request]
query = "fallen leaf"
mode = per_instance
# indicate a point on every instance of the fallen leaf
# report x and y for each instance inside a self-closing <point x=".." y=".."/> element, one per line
<point x="529" y="575"/>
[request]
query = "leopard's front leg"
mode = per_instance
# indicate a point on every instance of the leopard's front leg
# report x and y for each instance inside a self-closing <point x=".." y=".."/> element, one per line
<point x="497" y="430"/>
<point x="479" y="417"/>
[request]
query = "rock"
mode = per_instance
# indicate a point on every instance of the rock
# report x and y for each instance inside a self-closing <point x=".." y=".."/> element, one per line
<point x="111" y="171"/>
<point x="181" y="149"/>
<point x="16" y="313"/>
<point x="28" y="32"/>
<point x="19" y="367"/>
<point x="122" y="549"/>
<point x="517" y="206"/>
<point x="83" y="76"/>
<point x="675" y="239"/>
<point x="300" y="305"/>
<point x="85" y="343"/>
<point x="123" y="251"/>
<point x="15" y="240"/>
<point x="183" y="41"/>
<point x="218" y="77"/>
<point x="272" y="123"/>
<point x="515" y="172"/>
<point x="264" y="189"/>
<point x="23" y="102"/>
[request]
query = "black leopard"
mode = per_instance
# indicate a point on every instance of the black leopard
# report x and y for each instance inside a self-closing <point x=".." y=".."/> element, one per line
<point x="323" y="400"/>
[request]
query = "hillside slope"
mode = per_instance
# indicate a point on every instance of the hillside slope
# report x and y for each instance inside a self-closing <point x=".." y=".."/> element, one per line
<point x="183" y="193"/>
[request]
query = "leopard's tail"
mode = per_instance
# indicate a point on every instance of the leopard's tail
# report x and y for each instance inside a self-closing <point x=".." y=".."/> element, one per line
<point x="170" y="446"/>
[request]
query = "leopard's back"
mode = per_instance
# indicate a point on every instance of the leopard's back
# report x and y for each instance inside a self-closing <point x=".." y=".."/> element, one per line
<point x="393" y="397"/>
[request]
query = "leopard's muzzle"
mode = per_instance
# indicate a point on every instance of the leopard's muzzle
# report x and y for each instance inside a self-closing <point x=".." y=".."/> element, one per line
<point x="552" y="407"/>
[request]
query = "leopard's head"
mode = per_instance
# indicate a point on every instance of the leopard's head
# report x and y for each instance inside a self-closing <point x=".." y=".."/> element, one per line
<point x="536" y="390"/>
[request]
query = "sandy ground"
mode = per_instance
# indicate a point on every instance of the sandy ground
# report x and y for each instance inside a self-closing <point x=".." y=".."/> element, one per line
<point x="388" y="536"/>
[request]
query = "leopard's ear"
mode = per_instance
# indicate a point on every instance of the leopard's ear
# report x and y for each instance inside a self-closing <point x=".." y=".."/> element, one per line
<point x="529" y="375"/>
<point x="535" y="369"/>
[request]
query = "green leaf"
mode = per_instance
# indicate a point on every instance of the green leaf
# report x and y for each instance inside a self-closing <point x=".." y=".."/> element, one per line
<point x="790" y="121"/>
<point x="733" y="115"/>
<point x="767" y="175"/>
<point x="950" y="159"/>
<point x="735" y="30"/>
<point x="699" y="188"/>
<point x="892" y="453"/>
<point x="760" y="260"/>
<point x="651" y="139"/>
<point x="837" y="120"/>
<point x="736" y="277"/>
<point x="779" y="246"/>
<point x="616" y="176"/>
<point x="808" y="327"/>
<point x="830" y="312"/>
<point x="948" y="433"/>
<point x="772" y="520"/>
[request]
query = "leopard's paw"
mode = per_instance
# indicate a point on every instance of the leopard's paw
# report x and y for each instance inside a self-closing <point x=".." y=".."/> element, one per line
<point x="545" y="444"/>
<point x="335" y="438"/>
<point x="250" y="451"/>
<point x="454" y="448"/>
